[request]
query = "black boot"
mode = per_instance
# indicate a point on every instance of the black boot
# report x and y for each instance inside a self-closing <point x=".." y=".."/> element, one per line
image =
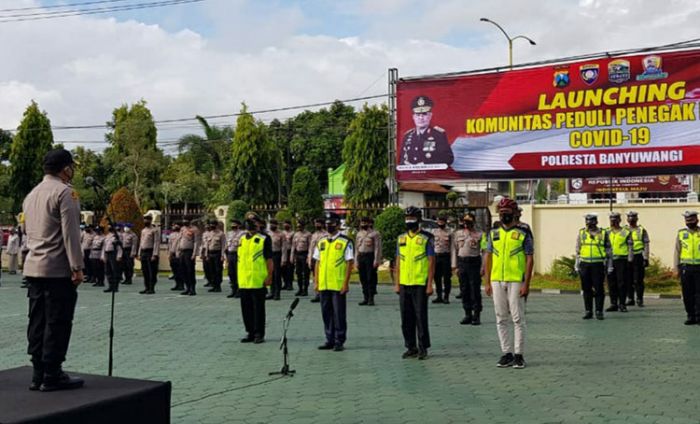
<point x="316" y="299"/>
<point x="446" y="299"/>
<point x="56" y="379"/>
<point x="438" y="299"/>
<point x="371" y="300"/>
<point x="588" y="315"/>
<point x="467" y="318"/>
<point x="365" y="301"/>
<point x="476" y="320"/>
<point x="37" y="375"/>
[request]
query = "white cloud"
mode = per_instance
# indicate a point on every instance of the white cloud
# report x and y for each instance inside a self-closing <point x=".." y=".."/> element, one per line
<point x="79" y="69"/>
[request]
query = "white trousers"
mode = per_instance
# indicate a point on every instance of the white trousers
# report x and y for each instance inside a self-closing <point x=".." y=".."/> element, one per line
<point x="509" y="307"/>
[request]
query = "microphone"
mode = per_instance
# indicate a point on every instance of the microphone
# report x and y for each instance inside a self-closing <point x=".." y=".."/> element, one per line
<point x="93" y="183"/>
<point x="291" y="308"/>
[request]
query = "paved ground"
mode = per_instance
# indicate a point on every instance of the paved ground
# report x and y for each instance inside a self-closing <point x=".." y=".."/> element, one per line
<point x="640" y="367"/>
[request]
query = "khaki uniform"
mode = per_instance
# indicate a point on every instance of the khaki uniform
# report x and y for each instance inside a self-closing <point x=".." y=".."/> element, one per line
<point x="301" y="241"/>
<point x="86" y="245"/>
<point x="214" y="248"/>
<point x="130" y="241"/>
<point x="287" y="265"/>
<point x="443" y="269"/>
<point x="206" y="235"/>
<point x="279" y="256"/>
<point x="174" y="261"/>
<point x="148" y="255"/>
<point x="52" y="224"/>
<point x="468" y="247"/>
<point x="187" y="246"/>
<point x="233" y="240"/>
<point x="112" y="258"/>
<point x="368" y="254"/>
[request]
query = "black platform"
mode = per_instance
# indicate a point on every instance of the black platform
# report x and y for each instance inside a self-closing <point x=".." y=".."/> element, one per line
<point x="103" y="400"/>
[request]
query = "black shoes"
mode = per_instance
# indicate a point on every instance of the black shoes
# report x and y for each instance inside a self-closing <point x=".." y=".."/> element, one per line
<point x="588" y="315"/>
<point x="370" y="302"/>
<point x="410" y="353"/>
<point x="690" y="321"/>
<point x="630" y="302"/>
<point x="338" y="348"/>
<point x="316" y="299"/>
<point x="599" y="315"/>
<point x="477" y="318"/>
<point x="438" y="299"/>
<point x="145" y="291"/>
<point x="467" y="319"/>
<point x="459" y="296"/>
<point x="422" y="355"/>
<point x="640" y="303"/>
<point x="299" y="292"/>
<point x="185" y="293"/>
<point x="248" y="339"/>
<point x="506" y="361"/>
<point x="270" y="296"/>
<point x="446" y="300"/>
<point x="613" y="308"/>
<point x="364" y="302"/>
<point x="232" y="295"/>
<point x="61" y="381"/>
<point x="127" y="282"/>
<point x="518" y="362"/>
<point x="176" y="288"/>
<point x="259" y="340"/>
<point x="214" y="290"/>
<point x="326" y="346"/>
<point x="623" y="308"/>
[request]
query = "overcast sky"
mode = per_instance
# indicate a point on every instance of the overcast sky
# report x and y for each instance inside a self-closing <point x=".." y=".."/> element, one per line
<point x="206" y="58"/>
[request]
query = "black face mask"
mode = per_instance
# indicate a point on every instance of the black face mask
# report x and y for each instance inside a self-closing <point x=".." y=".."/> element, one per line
<point x="507" y="218"/>
<point x="273" y="227"/>
<point x="251" y="226"/>
<point x="692" y="225"/>
<point x="318" y="227"/>
<point x="469" y="225"/>
<point x="412" y="226"/>
<point x="364" y="226"/>
<point x="331" y="228"/>
<point x="148" y="224"/>
<point x="287" y="228"/>
<point x="441" y="225"/>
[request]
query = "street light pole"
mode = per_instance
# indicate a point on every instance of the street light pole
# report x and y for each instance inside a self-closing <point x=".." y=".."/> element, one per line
<point x="510" y="65"/>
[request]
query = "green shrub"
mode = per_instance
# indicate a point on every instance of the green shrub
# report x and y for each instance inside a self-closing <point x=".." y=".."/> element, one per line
<point x="390" y="224"/>
<point x="563" y="268"/>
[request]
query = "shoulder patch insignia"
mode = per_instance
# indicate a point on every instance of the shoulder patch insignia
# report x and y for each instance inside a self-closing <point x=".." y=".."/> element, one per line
<point x="74" y="195"/>
<point x="439" y="129"/>
<point x="338" y="246"/>
<point x="515" y="235"/>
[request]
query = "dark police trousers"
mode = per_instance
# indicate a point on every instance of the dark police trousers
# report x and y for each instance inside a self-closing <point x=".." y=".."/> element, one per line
<point x="413" y="303"/>
<point x="128" y="265"/>
<point x="302" y="269"/>
<point x="592" y="279"/>
<point x="51" y="308"/>
<point x="177" y="271"/>
<point x="443" y="275"/>
<point x="276" y="274"/>
<point x="690" y="284"/>
<point x="368" y="273"/>
<point x="149" y="268"/>
<point x="617" y="281"/>
<point x="206" y="267"/>
<point x="98" y="271"/>
<point x="88" y="265"/>
<point x="334" y="311"/>
<point x="216" y="268"/>
<point x="288" y="272"/>
<point x="232" y="259"/>
<point x="187" y="270"/>
<point x="253" y="309"/>
<point x="113" y="268"/>
<point x="636" y="285"/>
<point x="469" y="271"/>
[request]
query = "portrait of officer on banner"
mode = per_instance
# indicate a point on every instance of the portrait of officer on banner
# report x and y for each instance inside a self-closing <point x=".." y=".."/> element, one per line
<point x="425" y="144"/>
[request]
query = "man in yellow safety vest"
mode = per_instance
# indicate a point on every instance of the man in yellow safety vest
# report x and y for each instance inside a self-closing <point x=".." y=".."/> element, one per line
<point x="687" y="264"/>
<point x="622" y="255"/>
<point x="640" y="246"/>
<point x="593" y="258"/>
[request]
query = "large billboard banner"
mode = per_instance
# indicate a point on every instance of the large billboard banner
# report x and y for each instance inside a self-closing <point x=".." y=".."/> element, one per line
<point x="642" y="184"/>
<point x="619" y="116"/>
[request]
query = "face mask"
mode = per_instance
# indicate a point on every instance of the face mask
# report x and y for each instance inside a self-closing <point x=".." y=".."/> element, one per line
<point x="469" y="225"/>
<point x="507" y="218"/>
<point x="234" y="228"/>
<point x="176" y="229"/>
<point x="273" y="227"/>
<point x="287" y="228"/>
<point x="148" y="224"/>
<point x="591" y="224"/>
<point x="412" y="225"/>
<point x="441" y="225"/>
<point x="318" y="228"/>
<point x="331" y="228"/>
<point x="251" y="226"/>
<point x="364" y="226"/>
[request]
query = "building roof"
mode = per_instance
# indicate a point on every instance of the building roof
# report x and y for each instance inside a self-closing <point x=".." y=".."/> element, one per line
<point x="423" y="187"/>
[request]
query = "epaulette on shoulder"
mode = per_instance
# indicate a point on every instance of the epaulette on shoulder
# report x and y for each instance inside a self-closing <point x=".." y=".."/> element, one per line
<point x="439" y="129"/>
<point x="409" y="131"/>
<point x="427" y="234"/>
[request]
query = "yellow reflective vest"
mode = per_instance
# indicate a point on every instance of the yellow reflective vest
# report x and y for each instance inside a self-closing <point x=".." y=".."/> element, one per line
<point x="592" y="246"/>
<point x="413" y="259"/>
<point x="508" y="259"/>
<point x="637" y="240"/>
<point x="690" y="247"/>
<point x="252" y="265"/>
<point x="332" y="266"/>
<point x="618" y="240"/>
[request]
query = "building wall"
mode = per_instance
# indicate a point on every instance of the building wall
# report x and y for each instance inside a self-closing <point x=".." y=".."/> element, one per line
<point x="555" y="227"/>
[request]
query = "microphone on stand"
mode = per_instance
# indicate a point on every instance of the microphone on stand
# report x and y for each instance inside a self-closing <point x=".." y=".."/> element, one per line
<point x="291" y="308"/>
<point x="93" y="183"/>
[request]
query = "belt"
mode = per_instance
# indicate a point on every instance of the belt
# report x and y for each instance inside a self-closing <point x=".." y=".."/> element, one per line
<point x="146" y="248"/>
<point x="365" y="253"/>
<point x="301" y="252"/>
<point x="442" y="254"/>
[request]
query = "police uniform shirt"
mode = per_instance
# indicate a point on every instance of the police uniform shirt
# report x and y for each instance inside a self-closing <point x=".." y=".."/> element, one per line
<point x="52" y="225"/>
<point x="205" y="242"/>
<point x="216" y="242"/>
<point x="677" y="249"/>
<point x="150" y="239"/>
<point x="233" y="240"/>
<point x="466" y="244"/>
<point x="644" y="237"/>
<point x="315" y="237"/>
<point x="189" y="240"/>
<point x="429" y="146"/>
<point x="349" y="254"/>
<point x="130" y="242"/>
<point x="110" y="245"/>
<point x="86" y="240"/>
<point x="173" y="238"/>
<point x="13" y="245"/>
<point x="96" y="248"/>
<point x="369" y="241"/>
<point x="301" y="240"/>
<point x="443" y="240"/>
<point x="288" y="235"/>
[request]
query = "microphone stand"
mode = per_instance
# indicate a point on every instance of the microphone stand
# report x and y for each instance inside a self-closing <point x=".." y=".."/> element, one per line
<point x="103" y="197"/>
<point x="285" y="371"/>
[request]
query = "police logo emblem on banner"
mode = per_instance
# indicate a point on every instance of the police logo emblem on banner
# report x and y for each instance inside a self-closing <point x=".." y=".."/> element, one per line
<point x="652" y="69"/>
<point x="589" y="73"/>
<point x="561" y="78"/>
<point x="619" y="71"/>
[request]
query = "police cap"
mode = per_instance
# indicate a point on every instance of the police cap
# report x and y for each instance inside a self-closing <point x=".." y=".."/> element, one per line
<point x="236" y="221"/>
<point x="591" y="217"/>
<point x="252" y="216"/>
<point x="273" y="221"/>
<point x="57" y="159"/>
<point x="422" y="104"/>
<point x="689" y="214"/>
<point x="614" y="215"/>
<point x="332" y="217"/>
<point x="632" y="214"/>
<point x="468" y="217"/>
<point x="148" y="218"/>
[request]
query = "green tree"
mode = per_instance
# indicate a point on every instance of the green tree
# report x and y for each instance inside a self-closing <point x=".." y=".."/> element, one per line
<point x="255" y="162"/>
<point x="182" y="184"/>
<point x="208" y="153"/>
<point x="284" y="214"/>
<point x="390" y="224"/>
<point x="5" y="145"/>
<point x="305" y="199"/>
<point x="317" y="140"/>
<point x="133" y="155"/>
<point x="30" y="144"/>
<point x="365" y="156"/>
<point x="91" y="165"/>
<point x="236" y="210"/>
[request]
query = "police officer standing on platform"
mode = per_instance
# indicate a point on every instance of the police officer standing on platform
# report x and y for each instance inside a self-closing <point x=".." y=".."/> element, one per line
<point x="443" y="273"/>
<point x="593" y="260"/>
<point x="334" y="256"/>
<point x="621" y="243"/>
<point x="148" y="255"/>
<point x="279" y="246"/>
<point x="254" y="267"/>
<point x="640" y="246"/>
<point x="233" y="239"/>
<point x="468" y="248"/>
<point x="415" y="267"/>
<point x="54" y="270"/>
<point x="130" y="242"/>
<point x="368" y="254"/>
<point x="318" y="234"/>
<point x="173" y="259"/>
<point x="216" y="256"/>
<point x="687" y="266"/>
<point x="301" y="240"/>
<point x="113" y="258"/>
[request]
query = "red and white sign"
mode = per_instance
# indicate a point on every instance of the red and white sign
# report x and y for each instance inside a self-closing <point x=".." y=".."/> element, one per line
<point x="648" y="183"/>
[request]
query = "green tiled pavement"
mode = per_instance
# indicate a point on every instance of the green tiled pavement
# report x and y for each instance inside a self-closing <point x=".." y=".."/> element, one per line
<point x="639" y="367"/>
